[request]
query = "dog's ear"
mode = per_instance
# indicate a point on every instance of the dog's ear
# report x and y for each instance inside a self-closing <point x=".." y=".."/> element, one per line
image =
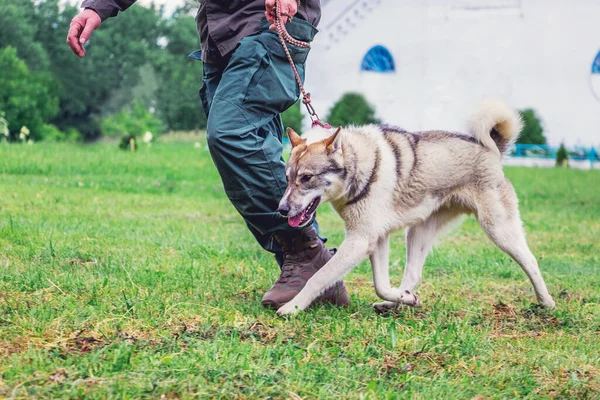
<point x="295" y="139"/>
<point x="334" y="142"/>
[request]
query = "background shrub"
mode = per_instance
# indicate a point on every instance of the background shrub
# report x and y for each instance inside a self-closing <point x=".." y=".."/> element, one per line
<point x="293" y="117"/>
<point x="533" y="129"/>
<point x="135" y="122"/>
<point x="352" y="109"/>
<point x="26" y="98"/>
<point x="142" y="56"/>
<point x="52" y="133"/>
<point x="562" y="156"/>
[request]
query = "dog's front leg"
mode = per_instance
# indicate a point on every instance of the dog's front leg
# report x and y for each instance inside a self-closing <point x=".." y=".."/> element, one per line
<point x="352" y="251"/>
<point x="380" y="261"/>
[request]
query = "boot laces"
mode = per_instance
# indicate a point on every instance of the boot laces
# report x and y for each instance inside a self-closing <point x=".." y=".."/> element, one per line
<point x="291" y="255"/>
<point x="289" y="266"/>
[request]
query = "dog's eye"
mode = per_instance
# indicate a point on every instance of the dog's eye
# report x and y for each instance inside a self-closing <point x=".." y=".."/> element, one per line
<point x="305" y="178"/>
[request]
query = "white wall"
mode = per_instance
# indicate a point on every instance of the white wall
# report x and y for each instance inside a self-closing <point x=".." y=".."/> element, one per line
<point x="536" y="54"/>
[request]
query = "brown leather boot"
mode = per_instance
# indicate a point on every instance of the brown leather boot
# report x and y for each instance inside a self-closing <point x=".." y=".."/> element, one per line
<point x="303" y="255"/>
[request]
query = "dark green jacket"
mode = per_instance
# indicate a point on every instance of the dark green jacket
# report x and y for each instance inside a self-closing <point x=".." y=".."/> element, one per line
<point x="221" y="23"/>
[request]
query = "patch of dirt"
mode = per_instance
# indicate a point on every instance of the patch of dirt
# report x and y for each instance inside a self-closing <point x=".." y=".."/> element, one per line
<point x="59" y="376"/>
<point x="266" y="334"/>
<point x="530" y="322"/>
<point x="256" y="331"/>
<point x="580" y="383"/>
<point x="82" y="344"/>
<point x="9" y="347"/>
<point x="84" y="262"/>
<point x="413" y="361"/>
<point x="577" y="297"/>
<point x="406" y="312"/>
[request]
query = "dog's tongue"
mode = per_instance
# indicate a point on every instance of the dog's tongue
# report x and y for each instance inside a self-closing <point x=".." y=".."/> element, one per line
<point x="295" y="221"/>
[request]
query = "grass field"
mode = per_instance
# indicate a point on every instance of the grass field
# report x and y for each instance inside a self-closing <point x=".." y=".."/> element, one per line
<point x="129" y="275"/>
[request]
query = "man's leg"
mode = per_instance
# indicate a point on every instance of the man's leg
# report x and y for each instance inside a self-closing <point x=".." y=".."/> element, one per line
<point x="244" y="136"/>
<point x="213" y="74"/>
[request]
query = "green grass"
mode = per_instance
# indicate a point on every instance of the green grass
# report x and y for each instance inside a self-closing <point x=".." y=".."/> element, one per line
<point x="130" y="275"/>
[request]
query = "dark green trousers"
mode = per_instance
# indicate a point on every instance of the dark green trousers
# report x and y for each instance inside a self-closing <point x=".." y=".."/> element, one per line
<point x="243" y="98"/>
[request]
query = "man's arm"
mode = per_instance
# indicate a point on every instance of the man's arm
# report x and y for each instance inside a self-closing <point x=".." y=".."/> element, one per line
<point x="107" y="8"/>
<point x="89" y="19"/>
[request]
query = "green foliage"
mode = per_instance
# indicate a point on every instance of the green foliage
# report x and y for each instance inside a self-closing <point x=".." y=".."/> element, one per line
<point x="135" y="277"/>
<point x="128" y="142"/>
<point x="179" y="78"/>
<point x="134" y="122"/>
<point x="124" y="62"/>
<point x="352" y="109"/>
<point x="18" y="29"/>
<point x="102" y="82"/>
<point x="562" y="156"/>
<point x="533" y="130"/>
<point x="51" y="133"/>
<point x="293" y="117"/>
<point x="26" y="98"/>
<point x="4" y="131"/>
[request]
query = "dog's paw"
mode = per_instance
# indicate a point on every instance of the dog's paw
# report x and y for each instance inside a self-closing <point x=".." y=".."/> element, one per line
<point x="288" y="309"/>
<point x="410" y="299"/>
<point x="548" y="303"/>
<point x="385" y="307"/>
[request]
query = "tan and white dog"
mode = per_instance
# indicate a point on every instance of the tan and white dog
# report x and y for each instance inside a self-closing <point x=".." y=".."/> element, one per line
<point x="380" y="179"/>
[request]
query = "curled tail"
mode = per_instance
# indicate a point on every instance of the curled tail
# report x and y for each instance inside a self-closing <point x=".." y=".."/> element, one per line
<point x="495" y="126"/>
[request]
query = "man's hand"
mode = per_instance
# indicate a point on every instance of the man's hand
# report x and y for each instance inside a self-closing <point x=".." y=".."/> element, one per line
<point x="81" y="28"/>
<point x="289" y="8"/>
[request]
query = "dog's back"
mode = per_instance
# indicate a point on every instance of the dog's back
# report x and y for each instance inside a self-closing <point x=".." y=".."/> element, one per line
<point x="437" y="167"/>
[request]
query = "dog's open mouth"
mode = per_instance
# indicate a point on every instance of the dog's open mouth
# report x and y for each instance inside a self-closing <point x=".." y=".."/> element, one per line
<point x="306" y="214"/>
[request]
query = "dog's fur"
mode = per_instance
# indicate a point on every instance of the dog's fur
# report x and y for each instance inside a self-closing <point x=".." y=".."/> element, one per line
<point x="380" y="179"/>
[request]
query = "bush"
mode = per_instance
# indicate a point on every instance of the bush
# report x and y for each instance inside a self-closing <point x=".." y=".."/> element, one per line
<point x="135" y="122"/>
<point x="533" y="130"/>
<point x="352" y="109"/>
<point x="293" y="117"/>
<point x="26" y="98"/>
<point x="52" y="133"/>
<point x="128" y="142"/>
<point x="4" y="132"/>
<point x="562" y="156"/>
<point x="177" y="104"/>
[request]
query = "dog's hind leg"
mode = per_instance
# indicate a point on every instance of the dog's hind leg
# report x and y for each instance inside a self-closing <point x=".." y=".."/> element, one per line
<point x="419" y="241"/>
<point x="498" y="215"/>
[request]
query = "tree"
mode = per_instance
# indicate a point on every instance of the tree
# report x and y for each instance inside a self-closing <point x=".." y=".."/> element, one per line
<point x="179" y="77"/>
<point x="18" y="28"/>
<point x="562" y="156"/>
<point x="293" y="117"/>
<point x="134" y="123"/>
<point x="533" y="130"/>
<point x="352" y="109"/>
<point x="111" y="67"/>
<point x="26" y="98"/>
<point x="126" y="60"/>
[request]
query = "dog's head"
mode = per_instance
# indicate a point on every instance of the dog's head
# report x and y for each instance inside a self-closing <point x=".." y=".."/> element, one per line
<point x="315" y="174"/>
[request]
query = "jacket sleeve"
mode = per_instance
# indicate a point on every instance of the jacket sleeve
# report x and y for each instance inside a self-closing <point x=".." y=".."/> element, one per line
<point x="107" y="8"/>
